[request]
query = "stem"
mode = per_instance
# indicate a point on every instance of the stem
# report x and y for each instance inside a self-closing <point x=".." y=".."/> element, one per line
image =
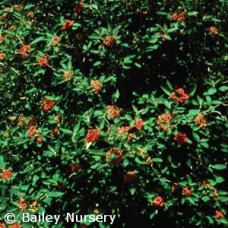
<point x="20" y="39"/>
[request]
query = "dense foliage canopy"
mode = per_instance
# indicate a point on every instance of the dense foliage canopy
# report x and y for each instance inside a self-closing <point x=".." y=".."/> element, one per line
<point x="114" y="107"/>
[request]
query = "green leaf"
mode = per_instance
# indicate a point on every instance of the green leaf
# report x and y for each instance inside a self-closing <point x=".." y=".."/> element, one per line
<point x="97" y="113"/>
<point x="169" y="85"/>
<point x="167" y="37"/>
<point x="154" y="38"/>
<point x="195" y="136"/>
<point x="157" y="160"/>
<point x="116" y="30"/>
<point x="219" y="166"/>
<point x="210" y="219"/>
<point x="172" y="30"/>
<point x="224" y="221"/>
<point x="35" y="179"/>
<point x="224" y="193"/>
<point x="193" y="111"/>
<point x="116" y="95"/>
<point x="95" y="166"/>
<point x="28" y="106"/>
<point x="151" y="48"/>
<point x="223" y="199"/>
<point x="2" y="163"/>
<point x="193" y="91"/>
<point x="204" y="144"/>
<point x="138" y="65"/>
<point x="52" y="150"/>
<point x="162" y="13"/>
<point x="132" y="191"/>
<point x="166" y="91"/>
<point x="216" y="102"/>
<point x="167" y="103"/>
<point x="66" y="131"/>
<point x="125" y="162"/>
<point x="208" y="99"/>
<point x="56" y="194"/>
<point x="128" y="59"/>
<point x="37" y="40"/>
<point x="223" y="88"/>
<point x="205" y="199"/>
<point x="135" y="109"/>
<point x="219" y="180"/>
<point x="76" y="26"/>
<point x="138" y="161"/>
<point x="192" y="13"/>
<point x="211" y="91"/>
<point x="96" y="152"/>
<point x="97" y="63"/>
<point x="76" y="128"/>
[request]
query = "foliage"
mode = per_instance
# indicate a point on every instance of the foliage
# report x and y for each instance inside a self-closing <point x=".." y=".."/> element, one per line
<point x="114" y="107"/>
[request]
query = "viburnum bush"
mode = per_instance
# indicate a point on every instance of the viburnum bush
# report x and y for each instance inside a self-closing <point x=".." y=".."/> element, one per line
<point x="114" y="107"/>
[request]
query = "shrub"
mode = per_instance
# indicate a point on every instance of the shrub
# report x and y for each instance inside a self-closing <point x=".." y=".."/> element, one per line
<point x="114" y="107"/>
